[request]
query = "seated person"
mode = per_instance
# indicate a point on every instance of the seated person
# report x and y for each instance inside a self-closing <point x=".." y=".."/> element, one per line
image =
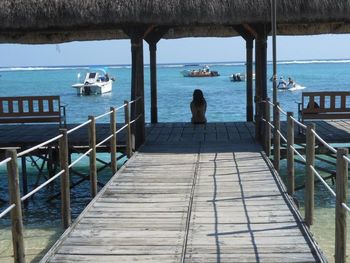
<point x="198" y="107"/>
<point x="282" y="83"/>
<point x="290" y="82"/>
<point x="314" y="105"/>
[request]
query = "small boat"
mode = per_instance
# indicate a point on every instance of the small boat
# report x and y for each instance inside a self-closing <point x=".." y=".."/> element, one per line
<point x="96" y="82"/>
<point x="239" y="77"/>
<point x="203" y="72"/>
<point x="290" y="86"/>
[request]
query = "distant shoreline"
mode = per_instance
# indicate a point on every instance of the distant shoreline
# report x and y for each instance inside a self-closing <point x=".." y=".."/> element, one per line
<point x="165" y="65"/>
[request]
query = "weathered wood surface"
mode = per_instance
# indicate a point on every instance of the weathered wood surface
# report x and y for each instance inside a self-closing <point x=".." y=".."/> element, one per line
<point x="31" y="109"/>
<point x="29" y="135"/>
<point x="332" y="131"/>
<point x="186" y="199"/>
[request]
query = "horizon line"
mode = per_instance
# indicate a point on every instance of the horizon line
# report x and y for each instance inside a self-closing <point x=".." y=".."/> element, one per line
<point x="194" y="63"/>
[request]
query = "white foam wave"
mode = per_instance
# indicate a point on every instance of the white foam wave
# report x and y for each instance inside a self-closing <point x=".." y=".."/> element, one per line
<point x="313" y="61"/>
<point x="40" y="68"/>
<point x="173" y="65"/>
<point x="119" y="66"/>
<point x="238" y="63"/>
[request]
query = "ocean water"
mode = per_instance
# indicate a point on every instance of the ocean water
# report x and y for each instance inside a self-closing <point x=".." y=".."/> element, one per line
<point x="226" y="102"/>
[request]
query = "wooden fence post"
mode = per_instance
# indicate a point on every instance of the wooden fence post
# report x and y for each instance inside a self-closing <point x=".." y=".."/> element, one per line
<point x="24" y="178"/>
<point x="267" y="128"/>
<point x="309" y="184"/>
<point x="257" y="118"/>
<point x="290" y="154"/>
<point x="340" y="212"/>
<point x="92" y="146"/>
<point x="113" y="140"/>
<point x="16" y="212"/>
<point x="128" y="130"/>
<point x="276" y="138"/>
<point x="65" y="184"/>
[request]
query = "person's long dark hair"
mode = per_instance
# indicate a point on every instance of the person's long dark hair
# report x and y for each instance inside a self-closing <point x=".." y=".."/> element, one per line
<point x="198" y="98"/>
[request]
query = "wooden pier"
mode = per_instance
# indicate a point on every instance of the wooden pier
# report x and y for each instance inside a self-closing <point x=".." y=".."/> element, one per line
<point x="24" y="136"/>
<point x="203" y="193"/>
<point x="27" y="135"/>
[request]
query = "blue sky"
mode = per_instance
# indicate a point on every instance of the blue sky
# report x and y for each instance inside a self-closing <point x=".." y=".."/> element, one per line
<point x="172" y="51"/>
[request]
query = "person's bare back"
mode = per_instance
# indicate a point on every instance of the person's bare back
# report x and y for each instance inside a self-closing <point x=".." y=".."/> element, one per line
<point x="198" y="107"/>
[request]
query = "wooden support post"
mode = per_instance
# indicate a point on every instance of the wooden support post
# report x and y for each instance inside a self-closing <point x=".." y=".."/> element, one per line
<point x="263" y="63"/>
<point x="92" y="146"/>
<point x="267" y="128"/>
<point x="249" y="35"/>
<point x="309" y="184"/>
<point x="137" y="86"/>
<point x="340" y="212"/>
<point x="261" y="31"/>
<point x="50" y="162"/>
<point x="152" y="37"/>
<point x="249" y="69"/>
<point x="290" y="154"/>
<point x="24" y="178"/>
<point x="257" y="97"/>
<point x="274" y="51"/>
<point x="65" y="182"/>
<point x="153" y="72"/>
<point x="16" y="212"/>
<point x="257" y="118"/>
<point x="128" y="130"/>
<point x="113" y="140"/>
<point x="276" y="138"/>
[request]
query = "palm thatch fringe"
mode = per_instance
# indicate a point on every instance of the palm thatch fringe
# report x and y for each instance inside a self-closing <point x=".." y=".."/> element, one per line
<point x="52" y="21"/>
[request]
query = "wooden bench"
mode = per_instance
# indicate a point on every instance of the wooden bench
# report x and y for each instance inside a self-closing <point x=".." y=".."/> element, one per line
<point x="32" y="109"/>
<point x="325" y="105"/>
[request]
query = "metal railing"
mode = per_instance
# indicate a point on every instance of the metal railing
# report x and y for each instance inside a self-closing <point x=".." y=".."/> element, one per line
<point x="15" y="206"/>
<point x="342" y="162"/>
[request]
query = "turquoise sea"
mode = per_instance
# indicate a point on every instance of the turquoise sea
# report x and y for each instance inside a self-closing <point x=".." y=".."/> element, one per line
<point x="226" y="102"/>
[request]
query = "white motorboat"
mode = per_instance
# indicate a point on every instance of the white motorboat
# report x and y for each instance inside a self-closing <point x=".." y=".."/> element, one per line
<point x="96" y="82"/>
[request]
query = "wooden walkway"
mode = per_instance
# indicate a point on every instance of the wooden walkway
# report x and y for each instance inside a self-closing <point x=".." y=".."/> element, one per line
<point x="191" y="194"/>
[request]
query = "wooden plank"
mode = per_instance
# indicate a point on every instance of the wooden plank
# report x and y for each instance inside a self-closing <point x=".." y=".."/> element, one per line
<point x="238" y="211"/>
<point x="10" y="106"/>
<point x="20" y="105"/>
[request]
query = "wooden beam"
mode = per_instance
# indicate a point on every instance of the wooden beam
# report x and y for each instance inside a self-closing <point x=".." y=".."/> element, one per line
<point x="152" y="39"/>
<point x="155" y="34"/>
<point x="260" y="31"/>
<point x="247" y="33"/>
<point x="249" y="38"/>
<point x="251" y="29"/>
<point x="136" y="34"/>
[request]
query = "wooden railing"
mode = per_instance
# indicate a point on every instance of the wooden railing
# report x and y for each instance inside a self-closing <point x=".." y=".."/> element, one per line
<point x="15" y="199"/>
<point x="342" y="161"/>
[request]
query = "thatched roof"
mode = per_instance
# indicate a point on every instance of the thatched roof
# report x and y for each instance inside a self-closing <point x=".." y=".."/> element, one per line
<point x="53" y="21"/>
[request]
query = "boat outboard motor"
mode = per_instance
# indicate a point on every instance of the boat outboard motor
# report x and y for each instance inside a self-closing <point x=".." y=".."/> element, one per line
<point x="87" y="90"/>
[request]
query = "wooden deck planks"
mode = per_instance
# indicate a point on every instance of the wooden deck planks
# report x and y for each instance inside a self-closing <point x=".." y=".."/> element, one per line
<point x="333" y="131"/>
<point x="232" y="222"/>
<point x="146" y="213"/>
<point x="140" y="217"/>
